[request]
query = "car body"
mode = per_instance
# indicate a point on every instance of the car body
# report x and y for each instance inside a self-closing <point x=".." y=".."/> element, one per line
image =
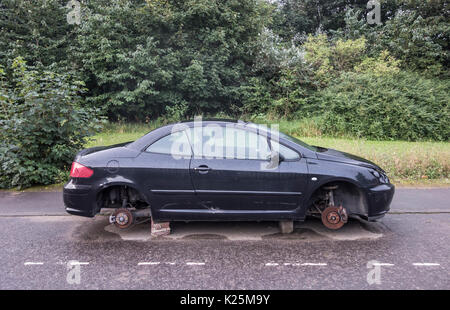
<point x="208" y="179"/>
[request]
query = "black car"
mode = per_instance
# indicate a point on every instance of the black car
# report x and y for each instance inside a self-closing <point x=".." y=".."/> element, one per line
<point x="220" y="170"/>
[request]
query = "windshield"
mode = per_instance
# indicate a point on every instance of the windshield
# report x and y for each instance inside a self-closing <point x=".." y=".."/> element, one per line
<point x="284" y="136"/>
<point x="297" y="141"/>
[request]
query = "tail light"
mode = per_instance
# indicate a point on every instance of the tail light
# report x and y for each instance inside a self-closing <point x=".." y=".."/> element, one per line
<point x="80" y="171"/>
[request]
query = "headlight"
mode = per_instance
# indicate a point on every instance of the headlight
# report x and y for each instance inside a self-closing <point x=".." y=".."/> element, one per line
<point x="385" y="177"/>
<point x="381" y="176"/>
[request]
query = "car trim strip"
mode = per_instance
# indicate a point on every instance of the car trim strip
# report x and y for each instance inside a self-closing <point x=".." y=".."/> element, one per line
<point x="221" y="192"/>
<point x="265" y="193"/>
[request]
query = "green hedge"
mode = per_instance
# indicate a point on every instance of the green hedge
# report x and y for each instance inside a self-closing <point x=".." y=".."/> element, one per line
<point x="401" y="106"/>
<point x="42" y="125"/>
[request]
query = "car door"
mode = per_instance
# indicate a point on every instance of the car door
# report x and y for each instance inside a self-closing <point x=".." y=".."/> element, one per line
<point x="232" y="174"/>
<point x="292" y="175"/>
<point x="165" y="164"/>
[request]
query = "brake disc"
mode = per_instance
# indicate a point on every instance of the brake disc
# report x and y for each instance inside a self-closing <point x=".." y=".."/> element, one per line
<point x="334" y="217"/>
<point x="123" y="218"/>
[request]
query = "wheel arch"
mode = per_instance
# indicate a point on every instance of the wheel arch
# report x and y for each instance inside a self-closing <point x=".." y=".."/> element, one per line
<point x="317" y="185"/>
<point x="103" y="188"/>
<point x="349" y="193"/>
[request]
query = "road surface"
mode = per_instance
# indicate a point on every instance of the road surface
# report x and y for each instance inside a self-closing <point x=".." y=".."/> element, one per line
<point x="42" y="247"/>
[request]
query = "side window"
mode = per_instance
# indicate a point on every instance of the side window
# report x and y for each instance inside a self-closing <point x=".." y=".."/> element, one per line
<point x="243" y="144"/>
<point x="175" y="144"/>
<point x="229" y="143"/>
<point x="287" y="153"/>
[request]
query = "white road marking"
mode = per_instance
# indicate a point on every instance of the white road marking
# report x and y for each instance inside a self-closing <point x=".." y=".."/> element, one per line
<point x="79" y="263"/>
<point x="33" y="263"/>
<point x="267" y="264"/>
<point x="297" y="264"/>
<point x="194" y="264"/>
<point x="314" y="264"/>
<point x="148" y="263"/>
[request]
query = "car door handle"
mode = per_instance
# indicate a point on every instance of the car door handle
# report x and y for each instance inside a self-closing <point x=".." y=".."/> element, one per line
<point x="202" y="169"/>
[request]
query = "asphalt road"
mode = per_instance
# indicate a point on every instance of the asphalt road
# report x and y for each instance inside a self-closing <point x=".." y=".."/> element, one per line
<point x="407" y="249"/>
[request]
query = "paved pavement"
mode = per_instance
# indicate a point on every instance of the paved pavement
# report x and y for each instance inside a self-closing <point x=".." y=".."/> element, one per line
<point x="408" y="249"/>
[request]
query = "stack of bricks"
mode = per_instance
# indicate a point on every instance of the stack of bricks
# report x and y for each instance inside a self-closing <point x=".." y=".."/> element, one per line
<point x="160" y="229"/>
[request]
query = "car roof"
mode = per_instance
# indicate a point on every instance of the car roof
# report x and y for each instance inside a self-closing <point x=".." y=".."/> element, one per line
<point x="217" y="120"/>
<point x="156" y="134"/>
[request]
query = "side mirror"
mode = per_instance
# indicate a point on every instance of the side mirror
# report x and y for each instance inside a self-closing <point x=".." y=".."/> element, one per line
<point x="275" y="158"/>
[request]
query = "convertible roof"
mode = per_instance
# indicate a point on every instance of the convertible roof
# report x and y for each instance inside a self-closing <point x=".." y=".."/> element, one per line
<point x="224" y="120"/>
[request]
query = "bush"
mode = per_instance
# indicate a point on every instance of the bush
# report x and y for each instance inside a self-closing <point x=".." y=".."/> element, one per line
<point x="329" y="60"/>
<point x="42" y="125"/>
<point x="139" y="57"/>
<point x="382" y="65"/>
<point x="282" y="96"/>
<point x="401" y="106"/>
<point x="416" y="33"/>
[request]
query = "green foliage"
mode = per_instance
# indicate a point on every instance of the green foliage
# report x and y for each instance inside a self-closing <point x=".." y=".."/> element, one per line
<point x="290" y="91"/>
<point x="42" y="125"/>
<point x="284" y="95"/>
<point x="384" y="64"/>
<point x="421" y="44"/>
<point x="147" y="59"/>
<point x="35" y="30"/>
<point x="329" y="60"/>
<point x="402" y="106"/>
<point x="138" y="57"/>
<point x="318" y="54"/>
<point x="177" y="111"/>
<point x="257" y="98"/>
<point x="414" y="32"/>
<point x="310" y="16"/>
<point x="347" y="53"/>
<point x="351" y="92"/>
<point x="274" y="55"/>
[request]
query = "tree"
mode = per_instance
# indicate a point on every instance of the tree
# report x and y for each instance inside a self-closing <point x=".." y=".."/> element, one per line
<point x="35" y="30"/>
<point x="43" y="124"/>
<point x="310" y="16"/>
<point x="138" y="57"/>
<point x="415" y="32"/>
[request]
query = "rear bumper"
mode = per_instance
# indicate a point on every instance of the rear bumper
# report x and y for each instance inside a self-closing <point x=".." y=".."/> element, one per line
<point x="79" y="199"/>
<point x="379" y="200"/>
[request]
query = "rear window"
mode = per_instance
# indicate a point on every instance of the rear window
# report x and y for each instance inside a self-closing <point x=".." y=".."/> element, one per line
<point x="176" y="144"/>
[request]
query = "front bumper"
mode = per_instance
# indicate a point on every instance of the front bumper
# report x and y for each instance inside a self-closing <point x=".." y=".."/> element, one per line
<point x="79" y="199"/>
<point x="379" y="199"/>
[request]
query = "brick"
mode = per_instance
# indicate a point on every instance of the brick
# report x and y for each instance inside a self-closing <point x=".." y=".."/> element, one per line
<point x="286" y="227"/>
<point x="160" y="229"/>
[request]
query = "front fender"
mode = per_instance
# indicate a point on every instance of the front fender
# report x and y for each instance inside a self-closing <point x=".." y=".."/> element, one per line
<point x="327" y="171"/>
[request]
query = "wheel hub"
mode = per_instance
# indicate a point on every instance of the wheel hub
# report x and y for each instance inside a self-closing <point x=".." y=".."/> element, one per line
<point x="334" y="217"/>
<point x="123" y="218"/>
